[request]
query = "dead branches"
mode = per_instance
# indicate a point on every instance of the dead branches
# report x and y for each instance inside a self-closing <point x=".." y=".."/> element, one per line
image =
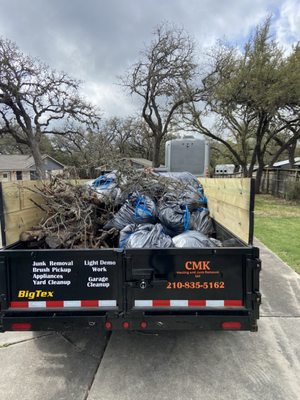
<point x="73" y="217"/>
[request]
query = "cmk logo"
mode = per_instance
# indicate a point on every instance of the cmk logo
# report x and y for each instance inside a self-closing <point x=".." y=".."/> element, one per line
<point x="197" y="265"/>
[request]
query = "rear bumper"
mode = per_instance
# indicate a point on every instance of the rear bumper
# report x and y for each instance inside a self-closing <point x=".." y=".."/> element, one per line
<point x="132" y="323"/>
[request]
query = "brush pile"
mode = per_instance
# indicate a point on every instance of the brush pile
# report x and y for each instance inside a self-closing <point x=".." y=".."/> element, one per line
<point x="73" y="217"/>
<point x="128" y="208"/>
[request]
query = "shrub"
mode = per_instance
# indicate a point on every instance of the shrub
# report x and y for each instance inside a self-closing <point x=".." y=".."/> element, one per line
<point x="292" y="190"/>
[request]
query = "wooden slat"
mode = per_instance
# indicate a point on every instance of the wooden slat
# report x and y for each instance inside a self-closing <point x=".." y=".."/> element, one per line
<point x="11" y="197"/>
<point x="18" y="222"/>
<point x="20" y="213"/>
<point x="27" y="195"/>
<point x="229" y="203"/>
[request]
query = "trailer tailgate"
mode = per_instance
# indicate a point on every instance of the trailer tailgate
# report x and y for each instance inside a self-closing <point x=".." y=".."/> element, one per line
<point x="62" y="279"/>
<point x="177" y="279"/>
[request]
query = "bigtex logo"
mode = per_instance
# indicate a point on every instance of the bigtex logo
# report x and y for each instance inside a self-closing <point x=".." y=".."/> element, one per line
<point x="197" y="265"/>
<point x="26" y="294"/>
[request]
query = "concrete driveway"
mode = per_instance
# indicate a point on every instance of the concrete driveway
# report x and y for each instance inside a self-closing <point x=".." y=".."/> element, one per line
<point x="172" y="366"/>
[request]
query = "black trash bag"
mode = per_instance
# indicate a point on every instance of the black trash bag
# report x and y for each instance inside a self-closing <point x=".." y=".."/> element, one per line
<point x="192" y="239"/>
<point x="200" y="221"/>
<point x="106" y="187"/>
<point x="217" y="242"/>
<point x="184" y="177"/>
<point x="231" y="243"/>
<point x="138" y="209"/>
<point x="174" y="217"/>
<point x="192" y="197"/>
<point x="125" y="234"/>
<point x="149" y="236"/>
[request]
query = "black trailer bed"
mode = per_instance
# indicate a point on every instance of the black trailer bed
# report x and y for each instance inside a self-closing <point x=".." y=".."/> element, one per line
<point x="149" y="289"/>
<point x="207" y="288"/>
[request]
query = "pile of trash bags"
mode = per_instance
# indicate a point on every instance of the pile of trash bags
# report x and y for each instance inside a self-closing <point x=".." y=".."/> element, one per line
<point x="168" y="218"/>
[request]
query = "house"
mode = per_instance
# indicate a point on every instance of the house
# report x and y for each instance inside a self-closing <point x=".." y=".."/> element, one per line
<point x="17" y="167"/>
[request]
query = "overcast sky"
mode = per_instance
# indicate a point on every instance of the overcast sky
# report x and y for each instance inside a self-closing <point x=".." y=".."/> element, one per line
<point x="96" y="40"/>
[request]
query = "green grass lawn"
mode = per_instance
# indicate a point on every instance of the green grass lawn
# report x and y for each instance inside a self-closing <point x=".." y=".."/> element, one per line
<point x="277" y="225"/>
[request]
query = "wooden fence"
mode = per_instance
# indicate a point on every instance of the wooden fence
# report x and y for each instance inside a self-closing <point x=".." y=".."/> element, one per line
<point x="277" y="181"/>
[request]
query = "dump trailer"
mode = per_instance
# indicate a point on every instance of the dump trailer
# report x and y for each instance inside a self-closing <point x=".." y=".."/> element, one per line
<point x="135" y="289"/>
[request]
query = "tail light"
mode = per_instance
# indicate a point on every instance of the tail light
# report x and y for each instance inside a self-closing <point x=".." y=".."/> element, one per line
<point x="231" y="325"/>
<point x="143" y="325"/>
<point x="21" y="326"/>
<point x="125" y="325"/>
<point x="108" y="325"/>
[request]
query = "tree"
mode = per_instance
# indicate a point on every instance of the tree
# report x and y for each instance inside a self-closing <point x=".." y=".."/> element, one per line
<point x="8" y="145"/>
<point x="254" y="96"/>
<point x="161" y="79"/>
<point x="84" y="150"/>
<point x="35" y="100"/>
<point x="119" y="131"/>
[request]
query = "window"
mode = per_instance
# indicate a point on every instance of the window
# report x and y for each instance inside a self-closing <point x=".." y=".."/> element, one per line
<point x="33" y="176"/>
<point x="5" y="176"/>
<point x="19" y="175"/>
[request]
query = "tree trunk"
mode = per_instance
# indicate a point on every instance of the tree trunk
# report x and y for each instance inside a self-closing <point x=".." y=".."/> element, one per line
<point x="244" y="170"/>
<point x="252" y="163"/>
<point x="259" y="174"/>
<point x="260" y="170"/>
<point x="156" y="151"/>
<point x="38" y="161"/>
<point x="291" y="153"/>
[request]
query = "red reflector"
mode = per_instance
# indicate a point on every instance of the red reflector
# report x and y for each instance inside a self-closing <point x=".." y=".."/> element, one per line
<point x="143" y="324"/>
<point x="197" y="303"/>
<point x="125" y="325"/>
<point x="21" y="326"/>
<point x="89" y="303"/>
<point x="233" y="303"/>
<point x="108" y="325"/>
<point x="161" y="303"/>
<point x="19" y="304"/>
<point x="231" y="325"/>
<point x="54" y="304"/>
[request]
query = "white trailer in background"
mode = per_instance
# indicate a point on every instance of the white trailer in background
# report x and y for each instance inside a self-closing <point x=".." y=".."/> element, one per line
<point x="187" y="155"/>
<point x="225" y="169"/>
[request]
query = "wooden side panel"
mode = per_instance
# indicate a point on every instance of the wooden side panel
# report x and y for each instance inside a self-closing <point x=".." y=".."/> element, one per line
<point x="229" y="202"/>
<point x="19" y="211"/>
<point x="20" y="222"/>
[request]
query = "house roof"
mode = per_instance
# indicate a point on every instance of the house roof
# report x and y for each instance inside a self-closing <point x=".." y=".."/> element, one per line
<point x="143" y="162"/>
<point x="285" y="162"/>
<point x="19" y="162"/>
<point x="140" y="161"/>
